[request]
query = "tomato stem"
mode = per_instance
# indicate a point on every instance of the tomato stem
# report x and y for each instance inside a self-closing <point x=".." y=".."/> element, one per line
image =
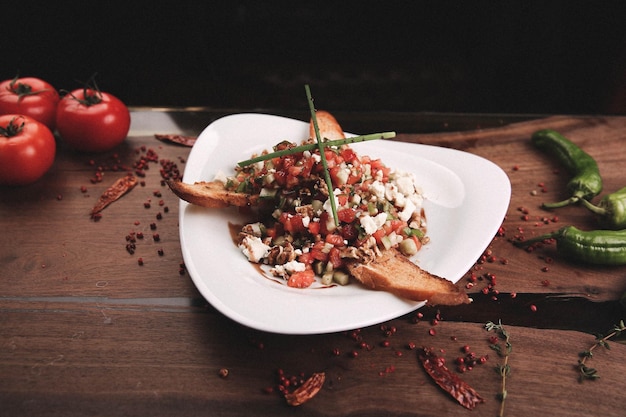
<point x="23" y="90"/>
<point x="91" y="93"/>
<point x="12" y="129"/>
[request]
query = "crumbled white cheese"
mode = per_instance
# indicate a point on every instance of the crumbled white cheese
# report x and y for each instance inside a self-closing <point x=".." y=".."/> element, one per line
<point x="377" y="188"/>
<point x="327" y="205"/>
<point x="407" y="211"/>
<point x="288" y="268"/>
<point x="405" y="182"/>
<point x="254" y="248"/>
<point x="372" y="224"/>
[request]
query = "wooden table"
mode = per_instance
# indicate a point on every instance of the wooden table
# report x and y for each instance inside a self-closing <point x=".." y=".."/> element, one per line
<point x="86" y="330"/>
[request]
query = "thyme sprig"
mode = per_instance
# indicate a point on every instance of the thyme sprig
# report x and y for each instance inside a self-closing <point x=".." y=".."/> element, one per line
<point x="587" y="372"/>
<point x="504" y="368"/>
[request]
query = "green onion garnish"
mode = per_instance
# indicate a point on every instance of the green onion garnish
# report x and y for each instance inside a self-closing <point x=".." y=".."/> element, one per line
<point x="320" y="146"/>
<point x="312" y="146"/>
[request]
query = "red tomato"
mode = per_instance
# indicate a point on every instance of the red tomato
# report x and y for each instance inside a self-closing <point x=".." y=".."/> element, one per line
<point x="314" y="228"/>
<point x="334" y="257"/>
<point x="27" y="149"/>
<point x="316" y="252"/>
<point x="335" y="240"/>
<point x="293" y="223"/>
<point x="349" y="232"/>
<point x="346" y="215"/>
<point x="30" y="96"/>
<point x="301" y="279"/>
<point x="306" y="258"/>
<point x="92" y="121"/>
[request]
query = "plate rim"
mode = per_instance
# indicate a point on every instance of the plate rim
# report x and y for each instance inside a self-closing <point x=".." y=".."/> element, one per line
<point x="406" y="306"/>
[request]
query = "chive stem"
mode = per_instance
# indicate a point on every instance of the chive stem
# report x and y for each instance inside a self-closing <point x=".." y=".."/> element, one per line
<point x="312" y="146"/>
<point x="320" y="146"/>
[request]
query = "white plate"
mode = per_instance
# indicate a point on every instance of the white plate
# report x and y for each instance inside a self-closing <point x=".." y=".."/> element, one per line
<point x="467" y="198"/>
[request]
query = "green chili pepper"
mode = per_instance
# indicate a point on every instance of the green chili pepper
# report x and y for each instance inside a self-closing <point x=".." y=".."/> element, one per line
<point x="599" y="247"/>
<point x="612" y="209"/>
<point x="586" y="182"/>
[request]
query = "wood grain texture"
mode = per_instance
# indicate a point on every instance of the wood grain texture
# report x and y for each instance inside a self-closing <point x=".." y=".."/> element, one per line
<point x="84" y="358"/>
<point x="86" y="330"/>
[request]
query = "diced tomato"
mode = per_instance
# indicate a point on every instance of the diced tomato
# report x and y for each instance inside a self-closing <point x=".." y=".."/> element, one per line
<point x="335" y="240"/>
<point x="324" y="218"/>
<point x="295" y="170"/>
<point x="335" y="175"/>
<point x="292" y="222"/>
<point x="354" y="177"/>
<point x="280" y="177"/>
<point x="346" y="215"/>
<point x="349" y="232"/>
<point x="297" y="224"/>
<point x="334" y="258"/>
<point x="365" y="185"/>
<point x="306" y="258"/>
<point x="332" y="159"/>
<point x="379" y="234"/>
<point x="394" y="225"/>
<point x="316" y="252"/>
<point x="348" y="155"/>
<point x="301" y="279"/>
<point x="342" y="199"/>
<point x="376" y="164"/>
<point x="288" y="161"/>
<point x="307" y="167"/>
<point x="314" y="228"/>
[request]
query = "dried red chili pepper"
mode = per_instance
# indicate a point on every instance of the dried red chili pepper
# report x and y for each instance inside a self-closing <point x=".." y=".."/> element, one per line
<point x="448" y="381"/>
<point x="178" y="139"/>
<point x="114" y="192"/>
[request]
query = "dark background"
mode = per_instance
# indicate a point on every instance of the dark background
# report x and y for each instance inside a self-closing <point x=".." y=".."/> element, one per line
<point x="500" y="56"/>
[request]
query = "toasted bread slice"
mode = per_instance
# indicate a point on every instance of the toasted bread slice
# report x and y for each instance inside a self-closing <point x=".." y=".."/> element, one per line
<point x="328" y="126"/>
<point x="394" y="273"/>
<point x="211" y="194"/>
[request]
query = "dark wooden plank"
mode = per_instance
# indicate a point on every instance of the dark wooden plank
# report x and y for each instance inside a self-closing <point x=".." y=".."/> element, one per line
<point x="530" y="172"/>
<point x="86" y="358"/>
<point x="84" y="329"/>
<point x="51" y="247"/>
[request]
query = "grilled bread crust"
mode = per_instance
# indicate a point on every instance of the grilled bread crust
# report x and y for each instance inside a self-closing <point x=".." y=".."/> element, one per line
<point x="394" y="273"/>
<point x="211" y="194"/>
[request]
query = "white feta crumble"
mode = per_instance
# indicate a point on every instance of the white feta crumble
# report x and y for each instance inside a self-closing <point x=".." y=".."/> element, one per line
<point x="407" y="211"/>
<point x="327" y="204"/>
<point x="372" y="224"/>
<point x="288" y="268"/>
<point x="377" y="188"/>
<point x="254" y="248"/>
<point x="405" y="182"/>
